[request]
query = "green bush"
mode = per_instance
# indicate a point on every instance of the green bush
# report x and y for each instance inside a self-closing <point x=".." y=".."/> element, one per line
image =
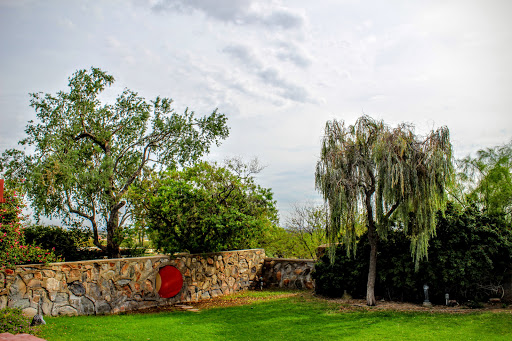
<point x="133" y="252"/>
<point x="468" y="258"/>
<point x="344" y="274"/>
<point x="208" y="208"/>
<point x="13" y="247"/>
<point x="14" y="322"/>
<point x="65" y="242"/>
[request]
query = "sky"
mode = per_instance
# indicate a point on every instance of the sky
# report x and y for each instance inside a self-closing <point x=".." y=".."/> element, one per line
<point x="279" y="70"/>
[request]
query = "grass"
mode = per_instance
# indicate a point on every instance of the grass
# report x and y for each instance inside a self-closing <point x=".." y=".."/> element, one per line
<point x="282" y="318"/>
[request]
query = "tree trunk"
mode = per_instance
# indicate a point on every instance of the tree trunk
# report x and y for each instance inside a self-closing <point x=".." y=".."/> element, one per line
<point x="113" y="235"/>
<point x="95" y="235"/>
<point x="372" y="272"/>
<point x="373" y="238"/>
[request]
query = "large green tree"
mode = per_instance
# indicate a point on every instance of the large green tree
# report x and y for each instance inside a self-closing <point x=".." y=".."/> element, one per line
<point x="371" y="175"/>
<point x="207" y="208"/>
<point x="81" y="155"/>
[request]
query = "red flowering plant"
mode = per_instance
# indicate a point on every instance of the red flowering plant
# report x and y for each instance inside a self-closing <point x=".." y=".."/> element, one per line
<point x="13" y="248"/>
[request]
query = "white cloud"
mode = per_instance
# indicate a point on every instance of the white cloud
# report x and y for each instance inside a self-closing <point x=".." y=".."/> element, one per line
<point x="238" y="12"/>
<point x="269" y="75"/>
<point x="243" y="54"/>
<point x="289" y="51"/>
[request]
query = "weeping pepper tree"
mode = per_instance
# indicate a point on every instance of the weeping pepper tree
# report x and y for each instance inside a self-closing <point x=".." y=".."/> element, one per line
<point x="376" y="178"/>
<point x="82" y="155"/>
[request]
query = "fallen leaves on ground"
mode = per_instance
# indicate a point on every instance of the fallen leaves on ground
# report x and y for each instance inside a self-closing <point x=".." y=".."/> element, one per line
<point x="239" y="299"/>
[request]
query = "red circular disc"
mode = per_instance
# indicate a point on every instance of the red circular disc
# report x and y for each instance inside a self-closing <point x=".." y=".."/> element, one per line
<point x="169" y="281"/>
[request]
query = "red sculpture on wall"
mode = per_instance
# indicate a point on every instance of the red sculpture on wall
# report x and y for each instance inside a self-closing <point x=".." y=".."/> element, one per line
<point x="169" y="281"/>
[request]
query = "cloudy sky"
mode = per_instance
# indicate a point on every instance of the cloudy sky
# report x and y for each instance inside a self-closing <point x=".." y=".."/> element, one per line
<point x="278" y="69"/>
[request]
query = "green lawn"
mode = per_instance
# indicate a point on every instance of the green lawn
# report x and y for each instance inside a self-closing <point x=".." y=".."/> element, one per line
<point x="289" y="318"/>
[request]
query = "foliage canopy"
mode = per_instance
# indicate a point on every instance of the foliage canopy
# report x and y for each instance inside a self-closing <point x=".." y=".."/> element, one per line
<point x="306" y="226"/>
<point x="207" y="208"/>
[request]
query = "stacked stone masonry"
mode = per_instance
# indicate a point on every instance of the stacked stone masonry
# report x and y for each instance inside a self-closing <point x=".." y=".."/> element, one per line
<point x="288" y="273"/>
<point x="116" y="285"/>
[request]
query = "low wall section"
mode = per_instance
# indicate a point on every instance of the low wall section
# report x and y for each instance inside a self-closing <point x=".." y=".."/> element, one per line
<point x="288" y="273"/>
<point x="115" y="285"/>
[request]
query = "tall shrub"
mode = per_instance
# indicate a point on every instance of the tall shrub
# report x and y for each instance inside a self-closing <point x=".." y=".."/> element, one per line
<point x="13" y="248"/>
<point x="66" y="242"/>
<point x="208" y="208"/>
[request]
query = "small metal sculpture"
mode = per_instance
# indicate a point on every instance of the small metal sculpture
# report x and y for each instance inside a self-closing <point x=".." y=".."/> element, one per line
<point x="38" y="318"/>
<point x="425" y="291"/>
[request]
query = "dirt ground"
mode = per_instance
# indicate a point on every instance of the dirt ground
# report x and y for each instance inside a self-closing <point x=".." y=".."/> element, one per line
<point x="353" y="304"/>
<point x="344" y="304"/>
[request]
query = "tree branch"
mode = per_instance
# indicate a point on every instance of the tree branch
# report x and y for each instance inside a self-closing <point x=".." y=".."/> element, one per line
<point x="145" y="158"/>
<point x="124" y="151"/>
<point x="125" y="217"/>
<point x="86" y="134"/>
<point x="118" y="206"/>
<point x="77" y="211"/>
<point x="91" y="218"/>
<point x="393" y="208"/>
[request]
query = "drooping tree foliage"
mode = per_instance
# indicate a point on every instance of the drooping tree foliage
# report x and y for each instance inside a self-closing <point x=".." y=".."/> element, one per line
<point x="371" y="175"/>
<point x="82" y="155"/>
<point x="487" y="180"/>
<point x="208" y="208"/>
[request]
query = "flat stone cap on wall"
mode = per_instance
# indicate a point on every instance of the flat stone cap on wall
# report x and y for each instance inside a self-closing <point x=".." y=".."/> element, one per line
<point x="290" y="260"/>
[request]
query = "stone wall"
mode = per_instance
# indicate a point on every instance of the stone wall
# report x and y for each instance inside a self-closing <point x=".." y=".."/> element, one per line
<point x="115" y="285"/>
<point x="288" y="273"/>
